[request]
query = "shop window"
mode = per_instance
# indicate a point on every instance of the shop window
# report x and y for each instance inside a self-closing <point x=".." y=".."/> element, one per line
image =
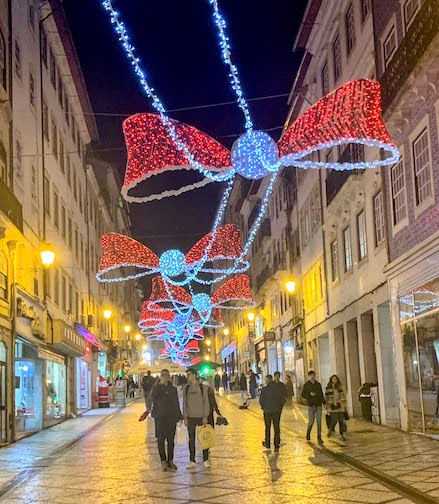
<point x="3" y="276"/>
<point x="56" y="388"/>
<point x="25" y="387"/>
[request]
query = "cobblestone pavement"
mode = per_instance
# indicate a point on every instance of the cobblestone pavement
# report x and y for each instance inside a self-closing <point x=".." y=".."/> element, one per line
<point x="117" y="462"/>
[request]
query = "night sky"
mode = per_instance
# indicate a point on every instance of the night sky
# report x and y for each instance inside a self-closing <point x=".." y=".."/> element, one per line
<point x="177" y="44"/>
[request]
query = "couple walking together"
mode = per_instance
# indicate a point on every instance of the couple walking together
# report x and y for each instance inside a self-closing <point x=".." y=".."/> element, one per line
<point x="198" y="406"/>
<point x="335" y="402"/>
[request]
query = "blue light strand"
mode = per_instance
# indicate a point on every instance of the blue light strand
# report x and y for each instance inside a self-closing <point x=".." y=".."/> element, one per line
<point x="224" y="43"/>
<point x="120" y="29"/>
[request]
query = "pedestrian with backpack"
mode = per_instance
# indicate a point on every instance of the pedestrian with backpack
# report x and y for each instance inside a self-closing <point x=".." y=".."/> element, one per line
<point x="196" y="410"/>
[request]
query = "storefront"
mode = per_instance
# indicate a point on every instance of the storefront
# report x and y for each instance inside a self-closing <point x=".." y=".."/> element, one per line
<point x="56" y="387"/>
<point x="230" y="358"/>
<point x="419" y="318"/>
<point x="83" y="384"/>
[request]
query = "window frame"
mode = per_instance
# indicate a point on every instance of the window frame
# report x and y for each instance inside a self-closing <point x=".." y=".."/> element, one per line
<point x="347" y="246"/>
<point x="335" y="261"/>
<point x="408" y="22"/>
<point x="402" y="191"/>
<point x="18" y="62"/>
<point x="362" y="235"/>
<point x="4" y="277"/>
<point x="382" y="223"/>
<point x="418" y="203"/>
<point x="324" y="76"/>
<point x="350" y="22"/>
<point x="336" y="50"/>
<point x="387" y="58"/>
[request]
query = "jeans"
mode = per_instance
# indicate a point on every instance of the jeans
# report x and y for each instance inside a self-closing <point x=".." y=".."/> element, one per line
<point x="165" y="429"/>
<point x="269" y="418"/>
<point x="337" y="417"/>
<point x="192" y="424"/>
<point x="314" y="413"/>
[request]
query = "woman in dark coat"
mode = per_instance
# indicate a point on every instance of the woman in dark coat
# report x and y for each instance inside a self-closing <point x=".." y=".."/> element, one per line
<point x="243" y="385"/>
<point x="253" y="384"/>
<point x="290" y="391"/>
<point x="335" y="404"/>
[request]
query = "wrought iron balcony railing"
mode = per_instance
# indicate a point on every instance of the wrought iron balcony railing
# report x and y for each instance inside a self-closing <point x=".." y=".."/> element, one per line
<point x="265" y="275"/>
<point x="10" y="206"/>
<point x="420" y="34"/>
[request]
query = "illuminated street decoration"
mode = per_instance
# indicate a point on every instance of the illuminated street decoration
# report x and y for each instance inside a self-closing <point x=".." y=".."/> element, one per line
<point x="157" y="145"/>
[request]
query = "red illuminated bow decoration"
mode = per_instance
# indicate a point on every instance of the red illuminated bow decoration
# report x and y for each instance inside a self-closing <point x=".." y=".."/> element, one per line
<point x="350" y="114"/>
<point x="124" y="258"/>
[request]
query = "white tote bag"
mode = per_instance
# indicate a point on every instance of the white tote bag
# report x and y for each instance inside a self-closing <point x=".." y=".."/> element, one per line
<point x="181" y="435"/>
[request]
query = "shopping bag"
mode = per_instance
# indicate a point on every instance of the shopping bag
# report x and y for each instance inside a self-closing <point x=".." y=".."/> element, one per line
<point x="206" y="436"/>
<point x="181" y="435"/>
<point x="221" y="391"/>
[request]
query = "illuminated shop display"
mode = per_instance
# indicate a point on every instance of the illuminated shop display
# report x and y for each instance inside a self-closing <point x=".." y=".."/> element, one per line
<point x="177" y="313"/>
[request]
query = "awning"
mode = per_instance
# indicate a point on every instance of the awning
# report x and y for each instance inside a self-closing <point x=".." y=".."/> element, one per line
<point x="50" y="356"/>
<point x="91" y="338"/>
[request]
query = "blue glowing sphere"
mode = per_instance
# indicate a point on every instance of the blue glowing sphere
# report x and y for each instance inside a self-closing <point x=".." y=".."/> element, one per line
<point x="201" y="303"/>
<point x="173" y="263"/>
<point x="255" y="155"/>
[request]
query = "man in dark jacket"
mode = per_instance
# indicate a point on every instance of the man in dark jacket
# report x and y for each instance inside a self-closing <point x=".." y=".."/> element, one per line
<point x="147" y="384"/>
<point x="166" y="413"/>
<point x="272" y="400"/>
<point x="313" y="393"/>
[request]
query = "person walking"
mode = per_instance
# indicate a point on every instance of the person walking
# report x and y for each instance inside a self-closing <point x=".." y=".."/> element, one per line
<point x="166" y="413"/>
<point x="217" y="382"/>
<point x="196" y="410"/>
<point x="276" y="379"/>
<point x="336" y="405"/>
<point x="289" y="390"/>
<point x="312" y="392"/>
<point x="243" y="386"/>
<point x="253" y="384"/>
<point x="272" y="400"/>
<point x="147" y="384"/>
<point x="225" y="381"/>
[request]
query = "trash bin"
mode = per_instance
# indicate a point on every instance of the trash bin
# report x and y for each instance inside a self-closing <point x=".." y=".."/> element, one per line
<point x="364" y="395"/>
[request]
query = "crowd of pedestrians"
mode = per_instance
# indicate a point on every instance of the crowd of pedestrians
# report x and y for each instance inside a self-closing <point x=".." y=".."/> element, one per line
<point x="199" y="405"/>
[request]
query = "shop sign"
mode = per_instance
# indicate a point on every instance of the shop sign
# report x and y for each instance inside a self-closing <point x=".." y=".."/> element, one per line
<point x="28" y="322"/>
<point x="229" y="349"/>
<point x="270" y="336"/>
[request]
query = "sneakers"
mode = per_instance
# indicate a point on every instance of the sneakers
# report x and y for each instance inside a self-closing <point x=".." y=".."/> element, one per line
<point x="207" y="464"/>
<point x="172" y="466"/>
<point x="308" y="437"/>
<point x="191" y="465"/>
<point x="165" y="466"/>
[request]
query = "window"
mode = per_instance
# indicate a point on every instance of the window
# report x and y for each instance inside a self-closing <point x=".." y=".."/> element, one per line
<point x="76" y="244"/>
<point x="389" y="45"/>
<point x="70" y="233"/>
<point x="362" y="235"/>
<point x="17" y="60"/>
<point x="325" y="79"/>
<point x="73" y="130"/>
<point x="336" y="50"/>
<point x="64" y="293"/>
<point x="44" y="47"/>
<point x="67" y="111"/>
<point x="60" y="90"/>
<point x="350" y="28"/>
<point x="71" y="300"/>
<point x="54" y="139"/>
<point x="18" y="158"/>
<point x="334" y="261"/>
<point x="63" y="221"/>
<point x="75" y="188"/>
<point x="347" y="249"/>
<point x="3" y="276"/>
<point x="378" y="212"/>
<point x="365" y="9"/>
<point x="3" y="74"/>
<point x="47" y="195"/>
<point x="55" y="208"/>
<point x="45" y="120"/>
<point x="398" y="193"/>
<point x="52" y="68"/>
<point x="56" y="286"/>
<point x="34" y="183"/>
<point x="61" y="156"/>
<point x="421" y="158"/>
<point x="31" y="14"/>
<point x="31" y="89"/>
<point x="410" y="10"/>
<point x="68" y="170"/>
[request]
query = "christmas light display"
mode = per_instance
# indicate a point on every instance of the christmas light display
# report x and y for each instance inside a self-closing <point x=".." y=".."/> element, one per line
<point x="158" y="145"/>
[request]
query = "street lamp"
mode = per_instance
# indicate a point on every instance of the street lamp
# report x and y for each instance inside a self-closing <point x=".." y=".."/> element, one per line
<point x="47" y="256"/>
<point x="226" y="332"/>
<point x="127" y="328"/>
<point x="206" y="357"/>
<point x="107" y="314"/>
<point x="138" y="336"/>
<point x="290" y="285"/>
<point x="251" y="316"/>
<point x="208" y="342"/>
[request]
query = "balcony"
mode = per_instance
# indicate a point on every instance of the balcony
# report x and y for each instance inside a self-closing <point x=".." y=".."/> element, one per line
<point x="279" y="264"/>
<point x="254" y="213"/>
<point x="67" y="340"/>
<point x="420" y="34"/>
<point x="10" y="206"/>
<point x="265" y="228"/>
<point x="264" y="276"/>
<point x="336" y="179"/>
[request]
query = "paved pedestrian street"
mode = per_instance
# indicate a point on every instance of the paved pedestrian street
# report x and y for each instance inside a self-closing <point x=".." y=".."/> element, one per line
<point x="115" y="460"/>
